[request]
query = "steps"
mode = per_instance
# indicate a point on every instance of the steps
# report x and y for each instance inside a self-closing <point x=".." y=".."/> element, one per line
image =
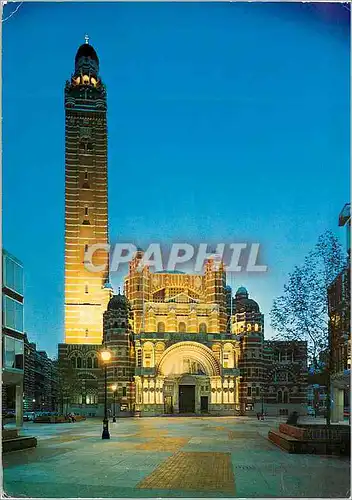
<point x="11" y="441"/>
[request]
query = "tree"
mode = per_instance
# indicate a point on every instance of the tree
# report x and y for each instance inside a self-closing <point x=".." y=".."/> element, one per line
<point x="301" y="313"/>
<point x="68" y="383"/>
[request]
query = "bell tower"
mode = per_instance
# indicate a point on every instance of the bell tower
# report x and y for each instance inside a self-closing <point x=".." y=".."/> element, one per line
<point x="86" y="200"/>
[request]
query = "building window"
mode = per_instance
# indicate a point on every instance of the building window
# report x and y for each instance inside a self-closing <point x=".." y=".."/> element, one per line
<point x="124" y="391"/>
<point x="139" y="357"/>
<point x="86" y="332"/>
<point x="147" y="359"/>
<point x="95" y="362"/>
<point x="285" y="397"/>
<point x="86" y="211"/>
<point x="182" y="327"/>
<point x="86" y="248"/>
<point x="161" y="327"/>
<point x="279" y="396"/>
<point x="202" y="328"/>
<point x="85" y="288"/>
<point x="89" y="362"/>
<point x="13" y="314"/>
<point x="257" y="391"/>
<point x="86" y="174"/>
<point x="124" y="372"/>
<point x="12" y="274"/>
<point x="79" y="362"/>
<point x="249" y="391"/>
<point x="13" y="353"/>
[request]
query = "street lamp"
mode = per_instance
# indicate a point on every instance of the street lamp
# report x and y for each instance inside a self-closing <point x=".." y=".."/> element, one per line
<point x="105" y="356"/>
<point x="114" y="388"/>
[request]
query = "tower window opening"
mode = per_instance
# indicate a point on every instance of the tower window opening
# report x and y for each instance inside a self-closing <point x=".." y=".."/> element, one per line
<point x="86" y="211"/>
<point x="85" y="288"/>
<point x="161" y="327"/>
<point x="182" y="327"/>
<point x="86" y="332"/>
<point x="86" y="175"/>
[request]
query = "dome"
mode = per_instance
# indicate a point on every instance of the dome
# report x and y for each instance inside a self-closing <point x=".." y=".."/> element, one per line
<point x="86" y="50"/>
<point x="243" y="304"/>
<point x="118" y="302"/>
<point x="242" y="292"/>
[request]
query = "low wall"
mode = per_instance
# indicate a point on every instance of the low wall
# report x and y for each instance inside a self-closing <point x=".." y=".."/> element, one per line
<point x="312" y="438"/>
<point x="56" y="420"/>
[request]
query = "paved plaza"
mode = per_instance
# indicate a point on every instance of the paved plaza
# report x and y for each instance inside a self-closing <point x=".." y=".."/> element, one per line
<point x="168" y="457"/>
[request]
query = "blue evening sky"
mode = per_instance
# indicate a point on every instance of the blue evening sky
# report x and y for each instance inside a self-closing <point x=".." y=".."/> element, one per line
<point x="228" y="122"/>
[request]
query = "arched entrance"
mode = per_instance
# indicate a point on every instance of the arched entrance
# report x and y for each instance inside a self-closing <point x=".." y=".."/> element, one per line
<point x="187" y="368"/>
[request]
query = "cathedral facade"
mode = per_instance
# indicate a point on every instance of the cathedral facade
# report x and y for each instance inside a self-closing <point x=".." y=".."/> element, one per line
<point x="179" y="343"/>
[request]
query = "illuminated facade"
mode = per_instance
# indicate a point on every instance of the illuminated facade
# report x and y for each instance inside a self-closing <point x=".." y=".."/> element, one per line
<point x="187" y="358"/>
<point x="86" y="204"/>
<point x="179" y="343"/>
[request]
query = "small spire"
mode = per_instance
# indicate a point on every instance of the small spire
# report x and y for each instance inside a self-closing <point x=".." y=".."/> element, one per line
<point x="86" y="38"/>
<point x="119" y="291"/>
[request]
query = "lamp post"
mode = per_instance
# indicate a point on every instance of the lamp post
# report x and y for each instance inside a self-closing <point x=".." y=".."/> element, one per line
<point x="105" y="356"/>
<point x="114" y="388"/>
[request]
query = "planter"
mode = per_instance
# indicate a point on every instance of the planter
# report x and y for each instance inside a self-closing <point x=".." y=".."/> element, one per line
<point x="322" y="439"/>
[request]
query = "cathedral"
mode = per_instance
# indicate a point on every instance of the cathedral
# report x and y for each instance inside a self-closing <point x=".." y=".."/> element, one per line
<point x="179" y="343"/>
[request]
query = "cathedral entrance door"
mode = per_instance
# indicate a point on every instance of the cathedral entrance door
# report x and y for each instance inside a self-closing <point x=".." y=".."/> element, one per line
<point x="204" y="404"/>
<point x="168" y="406"/>
<point x="187" y="398"/>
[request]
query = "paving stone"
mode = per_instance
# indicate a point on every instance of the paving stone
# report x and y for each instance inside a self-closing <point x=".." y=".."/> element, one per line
<point x="216" y="457"/>
<point x="202" y="471"/>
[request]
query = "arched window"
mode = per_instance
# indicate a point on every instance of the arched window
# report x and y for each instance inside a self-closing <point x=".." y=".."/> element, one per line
<point x="148" y="355"/>
<point x="79" y="362"/>
<point x="95" y="362"/>
<point x="202" y="328"/>
<point x="182" y="327"/>
<point x="89" y="362"/>
<point x="285" y="397"/>
<point x="161" y="327"/>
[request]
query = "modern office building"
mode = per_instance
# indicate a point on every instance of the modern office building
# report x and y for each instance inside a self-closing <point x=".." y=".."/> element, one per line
<point x="12" y="335"/>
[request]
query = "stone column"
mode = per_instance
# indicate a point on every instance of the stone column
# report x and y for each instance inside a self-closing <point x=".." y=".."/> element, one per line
<point x="337" y="406"/>
<point x="19" y="405"/>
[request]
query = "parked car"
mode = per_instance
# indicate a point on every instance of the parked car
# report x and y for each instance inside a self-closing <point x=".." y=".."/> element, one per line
<point x="29" y="416"/>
